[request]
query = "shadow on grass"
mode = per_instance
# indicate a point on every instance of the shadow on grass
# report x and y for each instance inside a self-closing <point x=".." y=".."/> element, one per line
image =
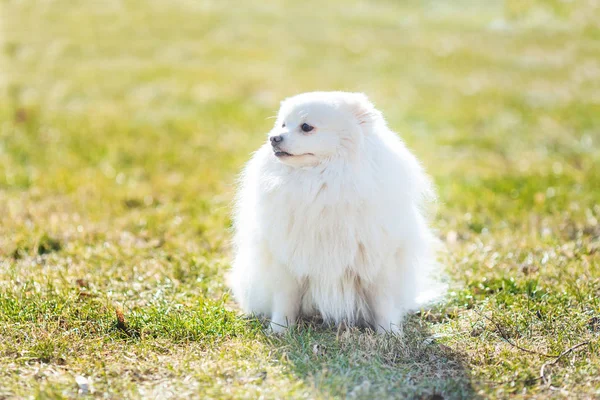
<point x="360" y="364"/>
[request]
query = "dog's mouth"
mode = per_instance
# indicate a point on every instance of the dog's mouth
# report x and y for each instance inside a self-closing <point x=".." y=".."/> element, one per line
<point x="285" y="154"/>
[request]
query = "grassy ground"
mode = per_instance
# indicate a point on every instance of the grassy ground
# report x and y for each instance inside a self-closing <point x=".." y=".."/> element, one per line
<point x="123" y="124"/>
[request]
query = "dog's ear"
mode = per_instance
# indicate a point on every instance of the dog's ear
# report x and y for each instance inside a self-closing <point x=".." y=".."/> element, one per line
<point x="365" y="112"/>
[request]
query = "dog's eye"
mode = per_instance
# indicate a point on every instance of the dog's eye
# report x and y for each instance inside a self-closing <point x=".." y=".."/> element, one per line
<point x="283" y="125"/>
<point x="306" y="127"/>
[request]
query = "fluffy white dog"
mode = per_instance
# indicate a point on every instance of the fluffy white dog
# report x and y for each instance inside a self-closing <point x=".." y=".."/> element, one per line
<point x="329" y="219"/>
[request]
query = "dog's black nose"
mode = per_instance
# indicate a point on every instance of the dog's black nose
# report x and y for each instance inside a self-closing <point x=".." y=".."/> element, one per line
<point x="275" y="140"/>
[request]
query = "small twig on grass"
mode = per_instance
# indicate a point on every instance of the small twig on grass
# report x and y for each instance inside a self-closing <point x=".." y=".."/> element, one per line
<point x="513" y="344"/>
<point x="546" y="379"/>
<point x="556" y="357"/>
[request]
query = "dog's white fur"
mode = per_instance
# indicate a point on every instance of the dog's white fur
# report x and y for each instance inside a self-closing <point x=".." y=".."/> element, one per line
<point x="338" y="228"/>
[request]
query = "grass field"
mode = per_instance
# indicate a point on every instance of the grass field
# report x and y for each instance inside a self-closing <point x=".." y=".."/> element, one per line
<point x="123" y="125"/>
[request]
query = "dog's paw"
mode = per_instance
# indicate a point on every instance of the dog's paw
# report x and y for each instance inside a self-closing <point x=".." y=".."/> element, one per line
<point x="391" y="328"/>
<point x="279" y="328"/>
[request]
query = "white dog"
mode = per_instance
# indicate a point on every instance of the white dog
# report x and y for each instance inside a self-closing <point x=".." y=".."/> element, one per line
<point x="329" y="219"/>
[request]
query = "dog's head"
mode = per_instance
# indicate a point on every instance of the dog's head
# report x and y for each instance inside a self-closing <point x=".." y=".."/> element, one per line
<point x="316" y="127"/>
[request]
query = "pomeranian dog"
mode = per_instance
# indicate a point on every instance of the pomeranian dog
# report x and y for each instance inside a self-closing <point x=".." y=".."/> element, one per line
<point x="330" y="219"/>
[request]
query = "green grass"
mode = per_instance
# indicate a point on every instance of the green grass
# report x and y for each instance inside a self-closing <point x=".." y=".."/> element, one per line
<point x="123" y="125"/>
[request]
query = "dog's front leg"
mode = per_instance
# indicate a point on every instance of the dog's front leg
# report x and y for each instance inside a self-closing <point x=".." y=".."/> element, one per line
<point x="386" y="302"/>
<point x="387" y="317"/>
<point x="286" y="302"/>
<point x="393" y="292"/>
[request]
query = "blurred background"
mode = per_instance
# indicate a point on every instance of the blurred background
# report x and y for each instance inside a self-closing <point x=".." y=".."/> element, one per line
<point x="123" y="125"/>
<point x="156" y="100"/>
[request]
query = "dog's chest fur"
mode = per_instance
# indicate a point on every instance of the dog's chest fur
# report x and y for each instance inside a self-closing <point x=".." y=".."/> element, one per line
<point x="326" y="225"/>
